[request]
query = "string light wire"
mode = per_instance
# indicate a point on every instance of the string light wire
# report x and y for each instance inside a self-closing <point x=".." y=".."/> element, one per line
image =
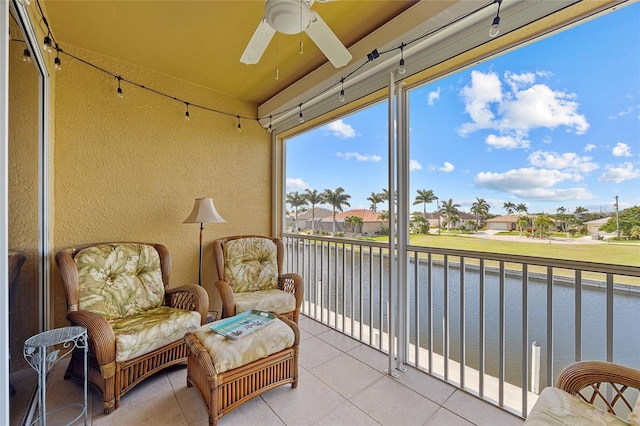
<point x="370" y="58"/>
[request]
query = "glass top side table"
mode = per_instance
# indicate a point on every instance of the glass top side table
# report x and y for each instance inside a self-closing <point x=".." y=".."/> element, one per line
<point x="43" y="351"/>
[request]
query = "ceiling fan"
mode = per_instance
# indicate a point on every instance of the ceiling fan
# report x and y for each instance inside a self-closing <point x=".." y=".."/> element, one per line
<point x="293" y="17"/>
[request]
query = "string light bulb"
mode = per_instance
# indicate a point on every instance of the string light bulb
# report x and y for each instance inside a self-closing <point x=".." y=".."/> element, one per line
<point x="186" y="114"/>
<point x="56" y="61"/>
<point x="401" y="68"/>
<point x="269" y="129"/>
<point x="239" y="125"/>
<point x="494" y="30"/>
<point x="120" y="94"/>
<point x="300" y="116"/>
<point x="341" y="97"/>
<point x="26" y="55"/>
<point x="46" y="44"/>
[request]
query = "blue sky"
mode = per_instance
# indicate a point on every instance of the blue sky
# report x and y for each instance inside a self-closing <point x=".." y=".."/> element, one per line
<point x="556" y="123"/>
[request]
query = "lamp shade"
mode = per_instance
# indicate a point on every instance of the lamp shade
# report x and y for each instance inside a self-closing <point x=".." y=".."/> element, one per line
<point x="204" y="212"/>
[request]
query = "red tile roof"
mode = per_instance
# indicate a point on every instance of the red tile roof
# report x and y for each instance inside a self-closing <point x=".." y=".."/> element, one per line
<point x="366" y="215"/>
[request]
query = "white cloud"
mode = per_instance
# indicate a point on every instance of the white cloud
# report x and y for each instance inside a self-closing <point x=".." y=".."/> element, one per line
<point x="526" y="105"/>
<point x="340" y="129"/>
<point x="555" y="194"/>
<point x="621" y="150"/>
<point x="534" y="184"/>
<point x="446" y="167"/>
<point x="296" y="184"/>
<point x="589" y="147"/>
<point x="484" y="90"/>
<point x="517" y="81"/>
<point x="622" y="113"/>
<point x="358" y="157"/>
<point x="519" y="179"/>
<point x="433" y="96"/>
<point x="507" y="142"/>
<point x="540" y="106"/>
<point x="625" y="171"/>
<point x="568" y="161"/>
<point x="414" y="165"/>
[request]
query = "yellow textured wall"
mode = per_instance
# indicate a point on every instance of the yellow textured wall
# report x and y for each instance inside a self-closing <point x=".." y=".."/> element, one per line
<point x="130" y="169"/>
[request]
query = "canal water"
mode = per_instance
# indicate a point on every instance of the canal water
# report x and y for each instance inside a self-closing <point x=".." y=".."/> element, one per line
<point x="333" y="286"/>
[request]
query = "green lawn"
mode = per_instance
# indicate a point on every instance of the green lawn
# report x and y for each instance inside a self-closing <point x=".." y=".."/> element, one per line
<point x="617" y="254"/>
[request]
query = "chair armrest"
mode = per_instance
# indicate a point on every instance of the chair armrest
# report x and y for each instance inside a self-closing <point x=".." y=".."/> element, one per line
<point x="102" y="339"/>
<point x="201" y="354"/>
<point x="590" y="375"/>
<point x="292" y="283"/>
<point x="294" y="327"/>
<point x="190" y="298"/>
<point x="226" y="295"/>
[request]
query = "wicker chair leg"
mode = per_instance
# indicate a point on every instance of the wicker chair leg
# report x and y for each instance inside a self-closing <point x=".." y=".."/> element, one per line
<point x="109" y="397"/>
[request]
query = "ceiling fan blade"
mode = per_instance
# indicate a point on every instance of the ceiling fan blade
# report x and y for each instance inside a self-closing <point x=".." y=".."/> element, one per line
<point x="327" y="41"/>
<point x="258" y="43"/>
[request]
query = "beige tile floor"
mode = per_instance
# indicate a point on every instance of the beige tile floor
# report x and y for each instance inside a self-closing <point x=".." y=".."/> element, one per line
<point x="341" y="383"/>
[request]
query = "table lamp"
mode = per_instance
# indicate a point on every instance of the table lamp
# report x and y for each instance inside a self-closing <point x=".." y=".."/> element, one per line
<point x="203" y="212"/>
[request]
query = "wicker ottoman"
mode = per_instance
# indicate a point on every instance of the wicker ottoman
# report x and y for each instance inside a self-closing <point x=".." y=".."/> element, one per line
<point x="228" y="373"/>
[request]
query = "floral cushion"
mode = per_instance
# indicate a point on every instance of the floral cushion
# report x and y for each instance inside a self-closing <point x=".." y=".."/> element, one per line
<point x="277" y="301"/>
<point x="152" y="329"/>
<point x="118" y="280"/>
<point x="557" y="407"/>
<point x="228" y="354"/>
<point x="251" y="264"/>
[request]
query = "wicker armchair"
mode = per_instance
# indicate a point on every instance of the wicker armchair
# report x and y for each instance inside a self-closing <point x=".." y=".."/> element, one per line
<point x="250" y="277"/>
<point x="135" y="322"/>
<point x="581" y="397"/>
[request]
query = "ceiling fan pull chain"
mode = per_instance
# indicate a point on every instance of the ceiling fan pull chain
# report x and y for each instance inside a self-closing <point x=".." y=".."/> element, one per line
<point x="301" y="48"/>
<point x="277" y="71"/>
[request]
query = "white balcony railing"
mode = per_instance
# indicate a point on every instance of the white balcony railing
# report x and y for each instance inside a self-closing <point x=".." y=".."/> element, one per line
<point x="476" y="320"/>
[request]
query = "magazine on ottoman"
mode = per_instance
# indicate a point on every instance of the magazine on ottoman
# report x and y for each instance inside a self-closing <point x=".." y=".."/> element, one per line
<point x="242" y="324"/>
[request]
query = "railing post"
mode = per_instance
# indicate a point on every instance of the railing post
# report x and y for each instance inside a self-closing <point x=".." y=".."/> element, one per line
<point x="535" y="368"/>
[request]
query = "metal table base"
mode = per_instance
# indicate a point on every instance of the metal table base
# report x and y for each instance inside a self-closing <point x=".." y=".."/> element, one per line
<point x="43" y="351"/>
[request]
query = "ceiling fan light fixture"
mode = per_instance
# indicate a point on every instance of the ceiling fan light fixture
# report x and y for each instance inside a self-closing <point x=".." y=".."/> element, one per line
<point x="288" y="16"/>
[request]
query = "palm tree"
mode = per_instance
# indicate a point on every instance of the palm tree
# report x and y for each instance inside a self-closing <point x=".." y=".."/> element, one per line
<point x="543" y="223"/>
<point x="522" y="208"/>
<point x="522" y="223"/>
<point x="348" y="223"/>
<point x="579" y="210"/>
<point x="313" y="198"/>
<point x="375" y="200"/>
<point x="509" y="207"/>
<point x="563" y="218"/>
<point x="480" y="207"/>
<point x="420" y="223"/>
<point x="337" y="199"/>
<point x="295" y="199"/>
<point x="449" y="209"/>
<point x="425" y="196"/>
<point x="354" y="222"/>
<point x="385" y="195"/>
